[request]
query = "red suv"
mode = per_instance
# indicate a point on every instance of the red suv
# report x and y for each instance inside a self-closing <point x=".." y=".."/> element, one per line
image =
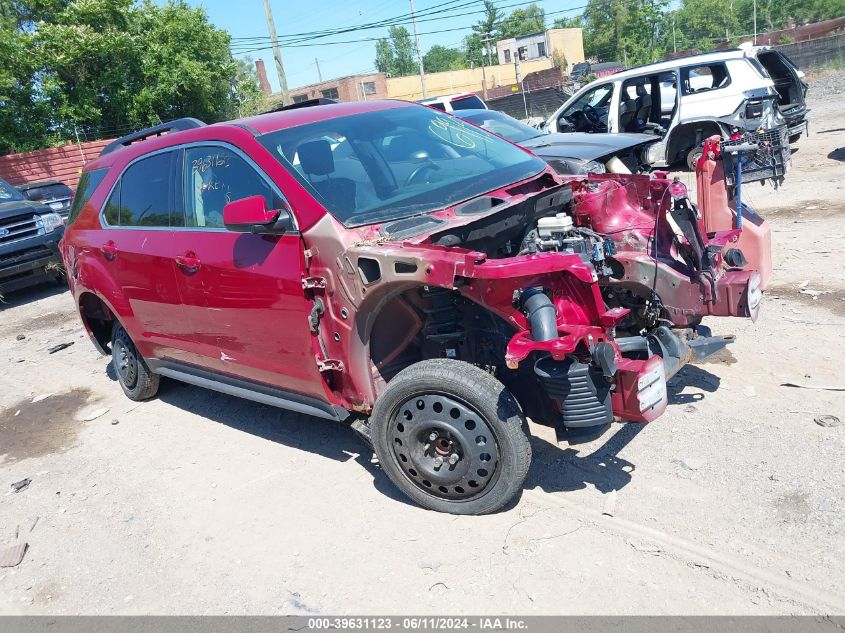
<point x="380" y="264"/>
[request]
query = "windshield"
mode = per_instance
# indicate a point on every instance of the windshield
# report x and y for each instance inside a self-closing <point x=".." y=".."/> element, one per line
<point x="8" y="192"/>
<point x="388" y="164"/>
<point x="503" y="125"/>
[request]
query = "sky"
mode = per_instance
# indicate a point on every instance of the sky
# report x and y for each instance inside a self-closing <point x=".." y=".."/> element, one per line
<point x="245" y="19"/>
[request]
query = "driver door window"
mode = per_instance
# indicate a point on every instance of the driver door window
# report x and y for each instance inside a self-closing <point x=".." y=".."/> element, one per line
<point x="215" y="176"/>
<point x="587" y="110"/>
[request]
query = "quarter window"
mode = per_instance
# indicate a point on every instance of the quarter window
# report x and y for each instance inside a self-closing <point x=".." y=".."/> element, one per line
<point x="144" y="194"/>
<point x="215" y="176"/>
<point x="88" y="182"/>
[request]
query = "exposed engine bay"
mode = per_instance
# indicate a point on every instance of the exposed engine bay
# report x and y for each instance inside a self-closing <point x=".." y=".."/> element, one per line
<point x="655" y="260"/>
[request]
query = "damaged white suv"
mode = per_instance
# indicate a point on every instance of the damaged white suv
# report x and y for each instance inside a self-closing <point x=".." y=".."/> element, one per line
<point x="746" y="88"/>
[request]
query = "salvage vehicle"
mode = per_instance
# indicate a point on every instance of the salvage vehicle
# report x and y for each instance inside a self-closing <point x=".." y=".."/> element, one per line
<point x="573" y="153"/>
<point x="455" y="102"/>
<point x="29" y="241"/>
<point x="747" y="89"/>
<point x="56" y="195"/>
<point x="397" y="269"/>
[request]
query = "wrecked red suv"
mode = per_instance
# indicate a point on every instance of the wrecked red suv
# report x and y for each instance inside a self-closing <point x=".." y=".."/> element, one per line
<point x="388" y="266"/>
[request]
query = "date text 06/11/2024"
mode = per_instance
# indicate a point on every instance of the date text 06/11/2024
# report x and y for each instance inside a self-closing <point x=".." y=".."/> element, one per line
<point x="431" y="623"/>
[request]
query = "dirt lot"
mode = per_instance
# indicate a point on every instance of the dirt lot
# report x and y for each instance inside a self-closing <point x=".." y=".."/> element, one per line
<point x="200" y="503"/>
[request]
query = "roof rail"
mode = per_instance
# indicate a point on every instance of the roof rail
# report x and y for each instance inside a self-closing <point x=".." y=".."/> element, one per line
<point x="177" y="125"/>
<point x="303" y="104"/>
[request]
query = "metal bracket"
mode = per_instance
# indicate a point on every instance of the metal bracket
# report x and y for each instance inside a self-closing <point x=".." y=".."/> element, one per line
<point x="329" y="364"/>
<point x="314" y="283"/>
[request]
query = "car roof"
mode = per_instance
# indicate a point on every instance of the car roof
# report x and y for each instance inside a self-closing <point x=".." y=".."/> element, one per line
<point x="701" y="58"/>
<point x="41" y="183"/>
<point x="445" y="98"/>
<point x="274" y="121"/>
<point x="256" y="125"/>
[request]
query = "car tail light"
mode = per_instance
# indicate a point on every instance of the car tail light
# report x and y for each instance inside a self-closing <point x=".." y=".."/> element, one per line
<point x="754" y="109"/>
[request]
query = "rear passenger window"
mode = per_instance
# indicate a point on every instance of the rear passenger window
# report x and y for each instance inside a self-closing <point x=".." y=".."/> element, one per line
<point x="215" y="176"/>
<point x="144" y="194"/>
<point x="706" y="77"/>
<point x="88" y="183"/>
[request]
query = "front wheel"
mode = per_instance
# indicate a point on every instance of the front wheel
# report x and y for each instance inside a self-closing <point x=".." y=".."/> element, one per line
<point x="692" y="157"/>
<point x="451" y="437"/>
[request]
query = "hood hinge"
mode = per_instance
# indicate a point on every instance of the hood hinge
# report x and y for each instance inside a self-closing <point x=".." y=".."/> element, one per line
<point x="313" y="283"/>
<point x="329" y="364"/>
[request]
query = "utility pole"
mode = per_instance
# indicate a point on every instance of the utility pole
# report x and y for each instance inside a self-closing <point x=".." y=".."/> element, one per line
<point x="755" y="23"/>
<point x="319" y="74"/>
<point x="486" y="42"/>
<point x="419" y="53"/>
<point x="518" y="73"/>
<point x="674" y="42"/>
<point x="277" y="54"/>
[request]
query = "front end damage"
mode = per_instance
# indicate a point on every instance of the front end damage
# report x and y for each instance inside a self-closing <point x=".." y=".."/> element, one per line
<point x="583" y="297"/>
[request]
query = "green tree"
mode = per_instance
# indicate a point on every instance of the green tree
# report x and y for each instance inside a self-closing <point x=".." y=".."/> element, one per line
<point x="574" y="22"/>
<point x="630" y="31"/>
<point x="474" y="47"/>
<point x="109" y="66"/>
<point x="24" y="117"/>
<point x="395" y="54"/>
<point x="186" y="64"/>
<point x="531" y="19"/>
<point x="248" y="100"/>
<point x="701" y="23"/>
<point x="440" y="58"/>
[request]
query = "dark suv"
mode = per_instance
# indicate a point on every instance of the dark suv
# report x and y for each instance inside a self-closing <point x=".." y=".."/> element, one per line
<point x="29" y="241"/>
<point x="56" y="195"/>
<point x="380" y="264"/>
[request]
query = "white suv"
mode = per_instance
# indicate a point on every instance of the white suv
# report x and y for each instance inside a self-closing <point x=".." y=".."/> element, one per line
<point x="746" y="88"/>
<point x="460" y="101"/>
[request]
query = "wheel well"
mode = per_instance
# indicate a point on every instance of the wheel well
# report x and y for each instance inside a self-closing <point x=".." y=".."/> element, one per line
<point x="98" y="320"/>
<point x="687" y="136"/>
<point x="427" y="322"/>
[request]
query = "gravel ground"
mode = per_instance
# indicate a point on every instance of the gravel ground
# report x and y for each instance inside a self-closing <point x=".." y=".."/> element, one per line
<point x="199" y="503"/>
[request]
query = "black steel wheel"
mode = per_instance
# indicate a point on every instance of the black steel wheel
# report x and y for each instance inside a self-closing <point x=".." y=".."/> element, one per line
<point x="135" y="378"/>
<point x="451" y="437"/>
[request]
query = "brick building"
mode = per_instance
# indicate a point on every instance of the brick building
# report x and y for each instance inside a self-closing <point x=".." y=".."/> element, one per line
<point x="352" y="88"/>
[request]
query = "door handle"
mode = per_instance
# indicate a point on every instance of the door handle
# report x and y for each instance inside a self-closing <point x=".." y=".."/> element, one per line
<point x="188" y="262"/>
<point x="109" y="250"/>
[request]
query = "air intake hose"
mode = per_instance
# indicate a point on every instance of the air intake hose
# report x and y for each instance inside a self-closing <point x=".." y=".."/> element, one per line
<point x="541" y="314"/>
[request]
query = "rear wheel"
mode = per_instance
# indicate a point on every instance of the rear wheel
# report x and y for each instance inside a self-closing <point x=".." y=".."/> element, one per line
<point x="451" y="437"/>
<point x="136" y="379"/>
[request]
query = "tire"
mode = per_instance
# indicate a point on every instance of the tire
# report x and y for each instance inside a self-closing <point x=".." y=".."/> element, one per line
<point x="135" y="378"/>
<point x="451" y="410"/>
<point x="692" y="157"/>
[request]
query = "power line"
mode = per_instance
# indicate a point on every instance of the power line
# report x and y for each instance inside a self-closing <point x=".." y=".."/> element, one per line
<point x="399" y="19"/>
<point x="356" y="41"/>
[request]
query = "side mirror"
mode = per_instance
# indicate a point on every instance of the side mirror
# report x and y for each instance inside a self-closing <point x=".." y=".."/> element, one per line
<point x="250" y="215"/>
